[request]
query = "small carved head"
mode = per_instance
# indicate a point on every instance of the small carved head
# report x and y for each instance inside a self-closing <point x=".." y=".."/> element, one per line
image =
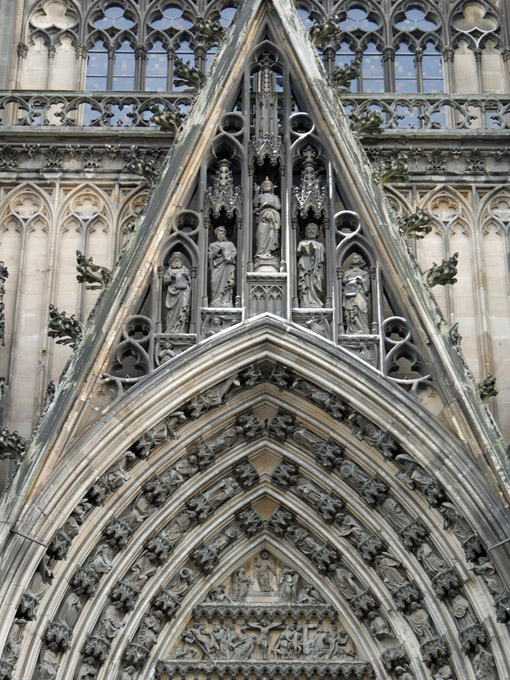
<point x="220" y="233"/>
<point x="266" y="186"/>
<point x="311" y="230"/>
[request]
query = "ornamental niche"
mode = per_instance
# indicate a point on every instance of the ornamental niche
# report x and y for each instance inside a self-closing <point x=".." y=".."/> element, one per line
<point x="268" y="229"/>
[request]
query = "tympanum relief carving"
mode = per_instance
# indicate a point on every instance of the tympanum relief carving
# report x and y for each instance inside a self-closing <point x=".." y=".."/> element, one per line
<point x="265" y="613"/>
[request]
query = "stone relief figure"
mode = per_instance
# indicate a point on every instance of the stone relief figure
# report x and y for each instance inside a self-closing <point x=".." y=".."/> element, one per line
<point x="267" y="210"/>
<point x="240" y="583"/>
<point x="356" y="287"/>
<point x="289" y="584"/>
<point x="311" y="256"/>
<point x="111" y="622"/>
<point x="264" y="628"/>
<point x="49" y="665"/>
<point x="483" y="663"/>
<point x="462" y="612"/>
<point x="265" y="572"/>
<point x="178" y="294"/>
<point x="222" y="263"/>
<point x="420" y="622"/>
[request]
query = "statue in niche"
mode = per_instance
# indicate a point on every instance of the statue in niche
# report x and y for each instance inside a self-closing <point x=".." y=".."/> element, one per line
<point x="311" y="255"/>
<point x="267" y="210"/>
<point x="265" y="572"/>
<point x="240" y="583"/>
<point x="178" y="294"/>
<point x="222" y="264"/>
<point x="356" y="283"/>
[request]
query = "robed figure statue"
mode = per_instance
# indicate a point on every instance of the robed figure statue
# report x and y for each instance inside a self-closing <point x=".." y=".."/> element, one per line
<point x="267" y="209"/>
<point x="222" y="265"/>
<point x="356" y="282"/>
<point x="311" y="256"/>
<point x="178" y="294"/>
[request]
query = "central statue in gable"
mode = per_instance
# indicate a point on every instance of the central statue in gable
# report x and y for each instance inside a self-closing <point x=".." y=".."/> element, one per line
<point x="267" y="238"/>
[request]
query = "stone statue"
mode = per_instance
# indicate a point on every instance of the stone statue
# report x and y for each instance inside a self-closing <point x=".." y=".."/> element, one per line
<point x="222" y="265"/>
<point x="49" y="665"/>
<point x="483" y="663"/>
<point x="289" y="583"/>
<point x="265" y="628"/>
<point x="178" y="294"/>
<point x="420" y="622"/>
<point x="311" y="256"/>
<point x="356" y="283"/>
<point x="265" y="572"/>
<point x="240" y="583"/>
<point x="111" y="622"/>
<point x="267" y="211"/>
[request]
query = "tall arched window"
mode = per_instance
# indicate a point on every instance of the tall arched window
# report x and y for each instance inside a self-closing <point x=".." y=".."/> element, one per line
<point x="156" y="69"/>
<point x="124" y="67"/>
<point x="372" y="69"/>
<point x="97" y="67"/>
<point x="405" y="70"/>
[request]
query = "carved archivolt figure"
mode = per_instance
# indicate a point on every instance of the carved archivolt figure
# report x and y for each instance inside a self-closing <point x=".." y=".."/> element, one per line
<point x="178" y="294"/>
<point x="267" y="209"/>
<point x="311" y="256"/>
<point x="222" y="263"/>
<point x="356" y="282"/>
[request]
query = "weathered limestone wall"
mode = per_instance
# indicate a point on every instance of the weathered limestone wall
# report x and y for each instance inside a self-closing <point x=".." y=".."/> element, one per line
<point x="42" y="227"/>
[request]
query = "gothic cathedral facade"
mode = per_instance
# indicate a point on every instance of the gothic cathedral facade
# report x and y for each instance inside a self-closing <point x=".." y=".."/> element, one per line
<point x="254" y="339"/>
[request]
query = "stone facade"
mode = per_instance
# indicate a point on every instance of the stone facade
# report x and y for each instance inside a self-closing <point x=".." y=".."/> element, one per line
<point x="259" y="445"/>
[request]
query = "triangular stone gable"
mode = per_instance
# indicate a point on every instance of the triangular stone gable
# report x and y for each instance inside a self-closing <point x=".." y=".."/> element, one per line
<point x="409" y="344"/>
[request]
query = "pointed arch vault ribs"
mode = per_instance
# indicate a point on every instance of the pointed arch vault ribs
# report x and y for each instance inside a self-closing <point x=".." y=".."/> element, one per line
<point x="284" y="441"/>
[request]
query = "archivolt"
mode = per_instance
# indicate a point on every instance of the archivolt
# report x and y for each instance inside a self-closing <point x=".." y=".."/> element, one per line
<point x="267" y="370"/>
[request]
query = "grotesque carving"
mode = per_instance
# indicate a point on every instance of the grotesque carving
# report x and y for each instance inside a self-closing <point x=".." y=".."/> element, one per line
<point x="68" y="329"/>
<point x="444" y="273"/>
<point x="177" y="279"/>
<point x="311" y="256"/>
<point x="95" y="276"/>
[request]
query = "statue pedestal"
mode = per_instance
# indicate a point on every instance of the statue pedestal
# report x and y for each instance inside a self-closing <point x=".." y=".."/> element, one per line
<point x="267" y="293"/>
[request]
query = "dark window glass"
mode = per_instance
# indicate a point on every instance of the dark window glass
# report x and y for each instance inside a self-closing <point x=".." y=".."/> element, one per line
<point x="124" y="68"/>
<point x="97" y="68"/>
<point x="156" y="68"/>
<point x="113" y="17"/>
<point x="227" y="16"/>
<point x="372" y="69"/>
<point x="357" y="19"/>
<point x="415" y="20"/>
<point x="432" y="67"/>
<point x="405" y="70"/>
<point x="171" y="18"/>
